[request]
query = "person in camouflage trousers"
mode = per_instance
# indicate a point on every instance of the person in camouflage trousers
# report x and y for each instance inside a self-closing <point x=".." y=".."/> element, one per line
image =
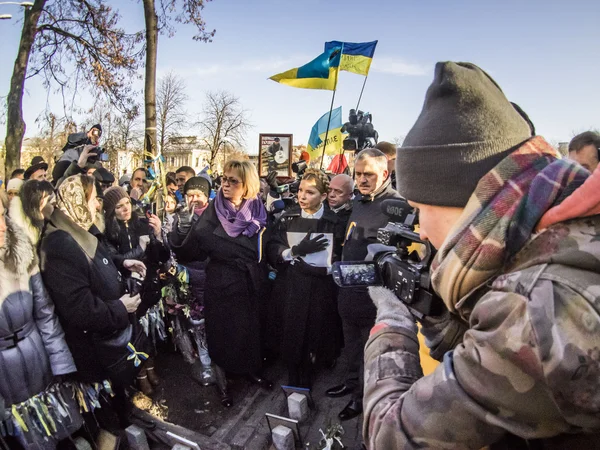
<point x="517" y="230"/>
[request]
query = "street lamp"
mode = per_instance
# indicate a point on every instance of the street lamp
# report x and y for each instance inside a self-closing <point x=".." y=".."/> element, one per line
<point x="9" y="16"/>
<point x="23" y="4"/>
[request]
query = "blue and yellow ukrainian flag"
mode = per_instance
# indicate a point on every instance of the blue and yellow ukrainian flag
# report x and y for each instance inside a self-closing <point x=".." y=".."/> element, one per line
<point x="356" y="56"/>
<point x="320" y="73"/>
<point x="319" y="130"/>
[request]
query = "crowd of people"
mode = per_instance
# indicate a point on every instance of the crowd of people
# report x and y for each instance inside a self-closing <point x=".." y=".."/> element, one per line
<point x="92" y="279"/>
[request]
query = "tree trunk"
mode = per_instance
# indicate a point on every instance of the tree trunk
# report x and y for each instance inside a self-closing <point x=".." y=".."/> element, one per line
<point x="15" y="125"/>
<point x="150" y="85"/>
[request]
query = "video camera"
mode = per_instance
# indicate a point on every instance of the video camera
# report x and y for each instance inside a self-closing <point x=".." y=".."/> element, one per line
<point x="361" y="132"/>
<point x="298" y="168"/>
<point x="403" y="271"/>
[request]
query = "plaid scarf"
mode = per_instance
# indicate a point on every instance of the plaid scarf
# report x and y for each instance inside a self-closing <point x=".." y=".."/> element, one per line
<point x="500" y="217"/>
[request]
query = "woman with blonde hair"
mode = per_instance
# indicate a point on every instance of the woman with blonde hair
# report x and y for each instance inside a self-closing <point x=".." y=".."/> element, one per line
<point x="306" y="240"/>
<point x="229" y="233"/>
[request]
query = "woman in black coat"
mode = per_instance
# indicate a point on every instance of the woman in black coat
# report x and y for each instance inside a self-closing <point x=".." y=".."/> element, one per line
<point x="81" y="278"/>
<point x="299" y="248"/>
<point x="130" y="237"/>
<point x="229" y="232"/>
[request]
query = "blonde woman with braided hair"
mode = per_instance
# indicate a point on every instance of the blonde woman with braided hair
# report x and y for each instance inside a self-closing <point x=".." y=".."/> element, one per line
<point x="305" y="242"/>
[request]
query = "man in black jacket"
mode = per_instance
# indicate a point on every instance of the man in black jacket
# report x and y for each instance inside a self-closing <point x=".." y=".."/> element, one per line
<point x="355" y="307"/>
<point x="339" y="199"/>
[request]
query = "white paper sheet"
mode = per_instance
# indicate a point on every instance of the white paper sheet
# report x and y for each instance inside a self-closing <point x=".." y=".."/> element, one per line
<point x="319" y="259"/>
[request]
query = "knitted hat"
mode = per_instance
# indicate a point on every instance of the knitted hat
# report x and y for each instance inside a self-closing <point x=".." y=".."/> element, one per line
<point x="112" y="196"/>
<point x="198" y="183"/>
<point x="14" y="184"/>
<point x="466" y="127"/>
<point x="97" y="126"/>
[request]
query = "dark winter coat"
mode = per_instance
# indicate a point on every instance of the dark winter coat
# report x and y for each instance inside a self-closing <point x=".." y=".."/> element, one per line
<point x="310" y="320"/>
<point x="196" y="270"/>
<point x="124" y="244"/>
<point x="85" y="286"/>
<point x="32" y="342"/>
<point x="235" y="280"/>
<point x="366" y="218"/>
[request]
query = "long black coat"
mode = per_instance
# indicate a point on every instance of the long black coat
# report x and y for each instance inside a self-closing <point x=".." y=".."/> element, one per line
<point x="307" y="294"/>
<point x="124" y="243"/>
<point x="235" y="280"/>
<point x="85" y="286"/>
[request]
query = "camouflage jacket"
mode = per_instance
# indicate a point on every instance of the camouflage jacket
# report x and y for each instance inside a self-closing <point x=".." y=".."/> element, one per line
<point x="529" y="364"/>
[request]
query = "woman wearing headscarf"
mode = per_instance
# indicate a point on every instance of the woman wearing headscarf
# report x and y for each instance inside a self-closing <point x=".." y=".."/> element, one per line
<point x="33" y="350"/>
<point x="229" y="233"/>
<point x="81" y="278"/>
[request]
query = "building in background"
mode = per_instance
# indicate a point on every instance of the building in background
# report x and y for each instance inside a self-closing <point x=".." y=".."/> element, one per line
<point x="185" y="151"/>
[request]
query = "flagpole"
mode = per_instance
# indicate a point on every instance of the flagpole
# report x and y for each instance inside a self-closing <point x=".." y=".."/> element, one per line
<point x="361" y="91"/>
<point x="328" y="123"/>
<point x="337" y="72"/>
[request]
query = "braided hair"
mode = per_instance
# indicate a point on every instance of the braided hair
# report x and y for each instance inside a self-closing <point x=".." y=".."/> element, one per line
<point x="320" y="179"/>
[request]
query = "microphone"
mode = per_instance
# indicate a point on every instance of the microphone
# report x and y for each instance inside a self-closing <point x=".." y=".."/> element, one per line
<point x="396" y="209"/>
<point x="277" y="206"/>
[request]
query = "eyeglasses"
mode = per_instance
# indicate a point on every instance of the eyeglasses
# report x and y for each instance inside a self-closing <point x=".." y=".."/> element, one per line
<point x="230" y="181"/>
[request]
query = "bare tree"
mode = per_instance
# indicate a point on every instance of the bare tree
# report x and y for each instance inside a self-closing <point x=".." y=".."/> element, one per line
<point x="119" y="133"/>
<point x="171" y="115"/>
<point x="69" y="42"/>
<point x="52" y="136"/>
<point x="169" y="11"/>
<point x="224" y="121"/>
<point x="398" y="140"/>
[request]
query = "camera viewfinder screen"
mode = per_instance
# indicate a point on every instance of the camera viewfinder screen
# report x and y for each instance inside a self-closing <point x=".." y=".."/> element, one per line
<point x="358" y="275"/>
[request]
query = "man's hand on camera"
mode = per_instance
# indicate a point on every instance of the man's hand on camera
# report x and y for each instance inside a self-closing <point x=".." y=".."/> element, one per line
<point x="88" y="150"/>
<point x="390" y="309"/>
<point x="308" y="245"/>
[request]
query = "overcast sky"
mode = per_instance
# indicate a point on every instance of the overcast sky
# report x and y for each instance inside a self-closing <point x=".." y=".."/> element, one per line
<point x="544" y="54"/>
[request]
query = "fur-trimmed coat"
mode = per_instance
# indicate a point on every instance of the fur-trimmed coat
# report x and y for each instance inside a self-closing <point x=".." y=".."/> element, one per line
<point x="32" y="342"/>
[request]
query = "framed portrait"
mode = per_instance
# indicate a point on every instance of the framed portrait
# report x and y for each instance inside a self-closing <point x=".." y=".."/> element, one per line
<point x="274" y="420"/>
<point x="275" y="153"/>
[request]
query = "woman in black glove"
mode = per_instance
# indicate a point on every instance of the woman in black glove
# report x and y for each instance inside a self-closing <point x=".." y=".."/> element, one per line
<point x="230" y="233"/>
<point x="131" y="238"/>
<point x="300" y="249"/>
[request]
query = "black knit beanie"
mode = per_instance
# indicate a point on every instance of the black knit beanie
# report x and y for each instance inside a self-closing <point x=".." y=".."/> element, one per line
<point x="112" y="196"/>
<point x="466" y="127"/>
<point x="198" y="183"/>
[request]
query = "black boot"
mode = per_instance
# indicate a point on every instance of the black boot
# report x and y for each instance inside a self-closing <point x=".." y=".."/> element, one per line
<point x="221" y="386"/>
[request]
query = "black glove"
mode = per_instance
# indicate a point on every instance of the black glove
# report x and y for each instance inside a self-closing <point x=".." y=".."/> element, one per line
<point x="184" y="220"/>
<point x="271" y="180"/>
<point x="308" y="245"/>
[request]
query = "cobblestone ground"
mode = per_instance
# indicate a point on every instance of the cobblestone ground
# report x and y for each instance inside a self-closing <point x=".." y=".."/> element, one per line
<point x="197" y="410"/>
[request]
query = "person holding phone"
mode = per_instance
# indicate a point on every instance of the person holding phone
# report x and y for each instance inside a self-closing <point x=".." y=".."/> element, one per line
<point x="311" y="332"/>
<point x="129" y="237"/>
<point x="73" y="152"/>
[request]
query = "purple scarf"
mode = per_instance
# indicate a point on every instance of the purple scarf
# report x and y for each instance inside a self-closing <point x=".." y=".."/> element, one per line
<point x="250" y="218"/>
